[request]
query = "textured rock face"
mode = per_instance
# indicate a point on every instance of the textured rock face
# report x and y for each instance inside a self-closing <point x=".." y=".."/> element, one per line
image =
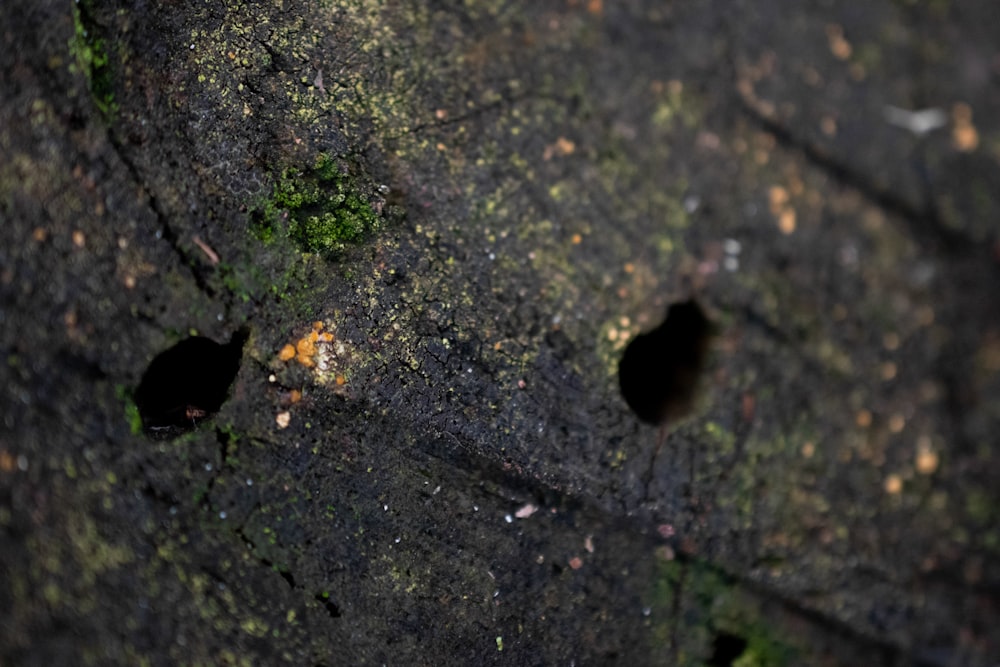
<point x="441" y="227"/>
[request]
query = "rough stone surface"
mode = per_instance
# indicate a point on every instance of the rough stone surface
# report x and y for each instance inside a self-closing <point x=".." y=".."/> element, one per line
<point x="440" y="470"/>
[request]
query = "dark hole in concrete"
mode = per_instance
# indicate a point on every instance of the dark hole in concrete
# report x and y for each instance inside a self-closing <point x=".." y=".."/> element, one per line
<point x="187" y="384"/>
<point x="659" y="371"/>
<point x="726" y="649"/>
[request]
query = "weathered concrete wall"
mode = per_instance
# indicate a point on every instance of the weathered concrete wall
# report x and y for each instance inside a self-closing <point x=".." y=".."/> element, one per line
<point x="457" y="217"/>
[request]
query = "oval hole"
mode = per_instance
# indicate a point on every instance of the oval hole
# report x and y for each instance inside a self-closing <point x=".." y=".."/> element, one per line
<point x="187" y="384"/>
<point x="727" y="648"/>
<point x="659" y="370"/>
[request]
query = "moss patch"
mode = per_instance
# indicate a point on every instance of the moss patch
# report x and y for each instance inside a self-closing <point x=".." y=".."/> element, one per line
<point x="709" y="607"/>
<point x="320" y="209"/>
<point x="90" y="57"/>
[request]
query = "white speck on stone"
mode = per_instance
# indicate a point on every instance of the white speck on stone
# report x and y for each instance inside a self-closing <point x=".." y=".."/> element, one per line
<point x="526" y="511"/>
<point x="731" y="247"/>
<point x="730" y="264"/>
<point x="398" y="540"/>
<point x="249" y="482"/>
<point x="508" y="518"/>
<point x="385" y="508"/>
<point x="222" y="515"/>
<point x="208" y="467"/>
<point x="691" y="203"/>
<point x="919" y="122"/>
<point x="22" y="463"/>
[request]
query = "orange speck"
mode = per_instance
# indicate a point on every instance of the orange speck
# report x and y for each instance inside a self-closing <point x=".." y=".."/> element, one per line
<point x="39" y="234"/>
<point x="828" y="125"/>
<point x="786" y="221"/>
<point x="317" y="326"/>
<point x="306" y="347"/>
<point x="341" y="380"/>
<point x="893" y="484"/>
<point x="287" y="352"/>
<point x="294" y="396"/>
<point x="7" y="462"/>
<point x="778" y="197"/>
<point x="79" y="240"/>
<point x="305" y="361"/>
<point x="927" y="458"/>
<point x="326" y="337"/>
<point x="964" y="134"/>
<point x="966" y="138"/>
<point x="629" y="268"/>
<point x="595" y="6"/>
<point x="562" y="146"/>
<point x="577" y="239"/>
<point x="896" y="423"/>
<point x="808" y="450"/>
<point x="576" y="562"/>
<point x="839" y="46"/>
<point x="863" y="418"/>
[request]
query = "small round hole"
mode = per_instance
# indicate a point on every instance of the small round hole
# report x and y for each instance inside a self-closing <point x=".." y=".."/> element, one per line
<point x="187" y="384"/>
<point x="659" y="370"/>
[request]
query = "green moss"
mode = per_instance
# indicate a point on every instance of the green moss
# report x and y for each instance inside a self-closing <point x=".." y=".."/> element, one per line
<point x="90" y="57"/>
<point x="131" y="409"/>
<point x="318" y="208"/>
<point x="707" y="602"/>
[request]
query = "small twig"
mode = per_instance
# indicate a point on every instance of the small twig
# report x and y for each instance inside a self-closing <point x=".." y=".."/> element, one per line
<point x="213" y="257"/>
